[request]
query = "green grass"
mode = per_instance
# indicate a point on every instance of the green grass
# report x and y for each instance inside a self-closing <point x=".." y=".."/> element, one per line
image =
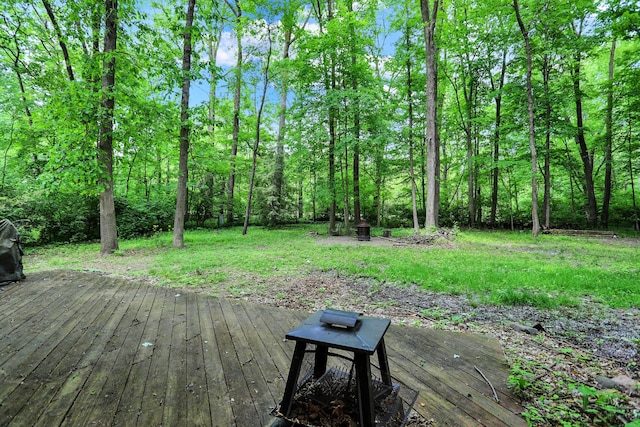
<point x="495" y="267"/>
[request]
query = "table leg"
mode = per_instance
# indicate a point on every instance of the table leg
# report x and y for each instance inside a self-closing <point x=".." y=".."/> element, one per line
<point x="292" y="379"/>
<point x="320" y="362"/>
<point x="384" y="363"/>
<point x="365" y="397"/>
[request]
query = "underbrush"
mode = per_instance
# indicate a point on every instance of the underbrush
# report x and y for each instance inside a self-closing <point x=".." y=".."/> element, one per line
<point x="557" y="399"/>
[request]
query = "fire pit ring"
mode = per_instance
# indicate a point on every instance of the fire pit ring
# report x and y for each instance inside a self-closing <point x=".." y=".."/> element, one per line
<point x="363" y="231"/>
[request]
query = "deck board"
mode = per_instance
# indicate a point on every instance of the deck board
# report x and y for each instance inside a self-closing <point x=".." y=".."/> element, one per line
<point x="87" y="349"/>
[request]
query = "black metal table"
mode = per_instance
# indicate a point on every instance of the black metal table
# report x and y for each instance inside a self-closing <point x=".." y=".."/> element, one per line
<point x="363" y="339"/>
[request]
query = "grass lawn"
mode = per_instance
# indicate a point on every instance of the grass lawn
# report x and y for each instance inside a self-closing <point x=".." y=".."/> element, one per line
<point x="488" y="267"/>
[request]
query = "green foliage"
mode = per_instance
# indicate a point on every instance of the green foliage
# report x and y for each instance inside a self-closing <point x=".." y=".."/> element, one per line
<point x="522" y="380"/>
<point x="143" y="217"/>
<point x="515" y="297"/>
<point x="594" y="407"/>
<point x="601" y="403"/>
<point x="62" y="217"/>
<point x="341" y="67"/>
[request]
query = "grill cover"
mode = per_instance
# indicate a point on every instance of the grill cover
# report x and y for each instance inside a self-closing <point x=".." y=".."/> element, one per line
<point x="10" y="254"/>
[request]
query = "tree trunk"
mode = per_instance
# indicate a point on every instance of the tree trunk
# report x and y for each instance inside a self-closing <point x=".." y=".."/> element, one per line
<point x="345" y="179"/>
<point x="15" y="57"/>
<point x="183" y="170"/>
<point x="6" y="153"/>
<point x="471" y="168"/>
<point x="412" y="174"/>
<point x="300" y="200"/>
<point x="585" y="155"/>
<point x="108" y="229"/>
<point x="276" y="201"/>
<point x="213" y="46"/>
<point x="432" y="136"/>
<point x="236" y="115"/>
<point x="378" y="182"/>
<point x="314" y="182"/>
<point x="606" y="200"/>
<point x="546" y="209"/>
<point x="496" y="143"/>
<point x="332" y="135"/>
<point x="535" y="223"/>
<point x="356" y="120"/>
<point x="256" y="144"/>
<point x="632" y="179"/>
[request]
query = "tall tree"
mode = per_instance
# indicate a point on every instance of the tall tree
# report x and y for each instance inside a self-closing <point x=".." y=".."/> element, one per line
<point x="356" y="113"/>
<point x="213" y="45"/>
<point x="608" y="143"/>
<point x="535" y="221"/>
<point x="236" y="9"/>
<point x="410" y="136"/>
<point x="495" y="172"/>
<point x="256" y="142"/>
<point x="108" y="229"/>
<point x="586" y="155"/>
<point x="429" y="19"/>
<point x="546" y="205"/>
<point x="183" y="169"/>
<point x="276" y="199"/>
<point x="330" y="85"/>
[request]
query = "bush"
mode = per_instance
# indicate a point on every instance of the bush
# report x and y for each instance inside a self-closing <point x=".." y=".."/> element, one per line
<point x="62" y="217"/>
<point x="71" y="218"/>
<point x="141" y="217"/>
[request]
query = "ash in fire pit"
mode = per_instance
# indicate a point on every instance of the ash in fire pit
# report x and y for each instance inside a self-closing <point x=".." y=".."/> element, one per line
<point x="332" y="401"/>
<point x="337" y="397"/>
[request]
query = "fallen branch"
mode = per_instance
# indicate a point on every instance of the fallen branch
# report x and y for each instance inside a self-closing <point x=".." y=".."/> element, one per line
<point x="495" y="395"/>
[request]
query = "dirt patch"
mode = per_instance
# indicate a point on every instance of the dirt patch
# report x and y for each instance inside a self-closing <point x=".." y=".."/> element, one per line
<point x="413" y="241"/>
<point x="353" y="241"/>
<point x="609" y="334"/>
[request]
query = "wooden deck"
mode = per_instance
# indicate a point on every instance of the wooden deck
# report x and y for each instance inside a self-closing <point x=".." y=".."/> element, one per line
<point x="85" y="349"/>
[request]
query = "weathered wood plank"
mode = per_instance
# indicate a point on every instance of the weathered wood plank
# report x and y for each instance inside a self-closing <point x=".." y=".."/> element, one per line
<point x="461" y="353"/>
<point x="212" y="362"/>
<point x="143" y="331"/>
<point x="94" y="341"/>
<point x="274" y="330"/>
<point x="99" y="362"/>
<point x="450" y="383"/>
<point x="153" y="400"/>
<point x="197" y="399"/>
<point x="254" y="392"/>
<point x="36" y="320"/>
<point x="264" y="351"/>
<point x="210" y="322"/>
<point x="30" y="363"/>
<point x="19" y="308"/>
<point x="175" y="405"/>
<point x="59" y="385"/>
<point x="125" y="342"/>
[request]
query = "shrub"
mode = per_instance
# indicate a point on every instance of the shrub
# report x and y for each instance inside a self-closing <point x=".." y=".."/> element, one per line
<point x="142" y="217"/>
<point x="63" y="217"/>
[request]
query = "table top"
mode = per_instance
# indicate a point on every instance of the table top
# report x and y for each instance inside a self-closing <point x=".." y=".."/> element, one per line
<point x="364" y="337"/>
